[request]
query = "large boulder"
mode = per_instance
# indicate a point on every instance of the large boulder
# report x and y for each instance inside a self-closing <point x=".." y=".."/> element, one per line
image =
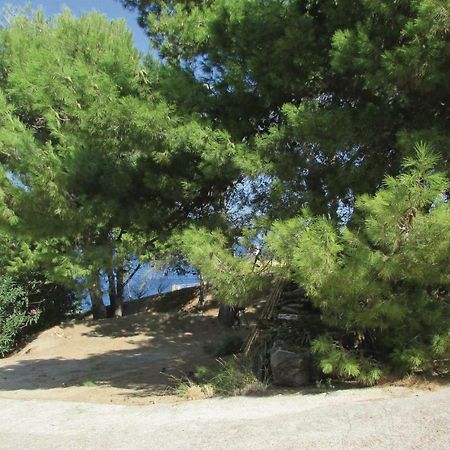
<point x="290" y="368"/>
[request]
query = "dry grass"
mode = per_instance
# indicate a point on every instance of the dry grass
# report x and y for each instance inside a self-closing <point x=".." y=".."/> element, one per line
<point x="416" y="381"/>
<point x="193" y="391"/>
<point x="233" y="378"/>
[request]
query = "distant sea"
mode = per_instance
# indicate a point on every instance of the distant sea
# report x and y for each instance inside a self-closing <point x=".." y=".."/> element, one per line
<point x="149" y="281"/>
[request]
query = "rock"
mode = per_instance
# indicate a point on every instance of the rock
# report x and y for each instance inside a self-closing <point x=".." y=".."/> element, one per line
<point x="289" y="368"/>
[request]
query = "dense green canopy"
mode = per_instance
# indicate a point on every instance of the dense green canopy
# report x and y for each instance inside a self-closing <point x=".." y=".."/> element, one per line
<point x="96" y="166"/>
<point x="286" y="115"/>
<point x="336" y="92"/>
<point x="381" y="287"/>
<point x="330" y="97"/>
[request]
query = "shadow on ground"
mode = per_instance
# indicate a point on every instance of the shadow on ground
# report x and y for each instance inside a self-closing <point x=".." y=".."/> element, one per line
<point x="140" y="353"/>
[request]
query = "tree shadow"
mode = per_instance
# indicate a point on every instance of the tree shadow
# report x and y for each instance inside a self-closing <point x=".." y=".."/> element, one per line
<point x="154" y="349"/>
<point x="159" y="325"/>
<point x="168" y="347"/>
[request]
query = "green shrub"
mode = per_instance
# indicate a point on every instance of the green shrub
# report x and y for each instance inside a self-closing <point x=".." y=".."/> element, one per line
<point x="233" y="377"/>
<point x="233" y="278"/>
<point x="335" y="360"/>
<point x="15" y="314"/>
<point x="56" y="302"/>
<point x="382" y="282"/>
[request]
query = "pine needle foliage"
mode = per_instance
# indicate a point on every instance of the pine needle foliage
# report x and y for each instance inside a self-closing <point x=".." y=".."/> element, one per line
<point x="382" y="282"/>
<point x="96" y="167"/>
<point x="333" y="94"/>
<point x="234" y="278"/>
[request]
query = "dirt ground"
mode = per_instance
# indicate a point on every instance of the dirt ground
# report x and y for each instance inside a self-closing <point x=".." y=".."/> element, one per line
<point x="133" y="360"/>
<point x="90" y="384"/>
<point x="375" y="418"/>
<point x="130" y="360"/>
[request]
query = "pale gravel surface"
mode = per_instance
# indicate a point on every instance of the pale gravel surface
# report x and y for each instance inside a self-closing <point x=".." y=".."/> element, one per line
<point x="378" y="418"/>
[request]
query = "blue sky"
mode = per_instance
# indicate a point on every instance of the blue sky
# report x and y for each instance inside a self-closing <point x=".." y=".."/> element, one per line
<point x="111" y="8"/>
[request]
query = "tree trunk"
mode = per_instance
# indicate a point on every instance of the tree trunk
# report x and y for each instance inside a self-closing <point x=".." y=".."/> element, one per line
<point x="118" y="306"/>
<point x="98" y="307"/>
<point x="202" y="294"/>
<point x="112" y="289"/>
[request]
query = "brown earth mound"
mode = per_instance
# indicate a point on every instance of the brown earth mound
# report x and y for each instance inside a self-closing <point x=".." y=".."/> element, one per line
<point x="131" y="360"/>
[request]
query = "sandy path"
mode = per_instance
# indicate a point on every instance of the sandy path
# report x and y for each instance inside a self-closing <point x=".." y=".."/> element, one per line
<point x="127" y="363"/>
<point x="378" y="418"/>
<point x="123" y="361"/>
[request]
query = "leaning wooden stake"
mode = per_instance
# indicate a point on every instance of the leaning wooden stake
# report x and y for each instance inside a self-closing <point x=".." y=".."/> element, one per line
<point x="266" y="313"/>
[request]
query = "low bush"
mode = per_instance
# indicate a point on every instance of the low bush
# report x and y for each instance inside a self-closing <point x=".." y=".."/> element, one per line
<point x="235" y="378"/>
<point x="15" y="314"/>
<point x="232" y="378"/>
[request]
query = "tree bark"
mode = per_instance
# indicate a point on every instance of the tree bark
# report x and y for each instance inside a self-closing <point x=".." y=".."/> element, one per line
<point x="119" y="299"/>
<point x="95" y="291"/>
<point x="112" y="289"/>
<point x="201" y="297"/>
<point x="117" y="283"/>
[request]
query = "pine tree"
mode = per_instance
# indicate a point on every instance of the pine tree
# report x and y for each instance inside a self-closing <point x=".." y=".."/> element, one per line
<point x="331" y="95"/>
<point x="381" y="283"/>
<point x="234" y="279"/>
<point x="96" y="166"/>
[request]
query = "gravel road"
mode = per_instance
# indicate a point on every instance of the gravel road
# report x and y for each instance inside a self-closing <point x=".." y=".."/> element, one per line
<point x="378" y="418"/>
